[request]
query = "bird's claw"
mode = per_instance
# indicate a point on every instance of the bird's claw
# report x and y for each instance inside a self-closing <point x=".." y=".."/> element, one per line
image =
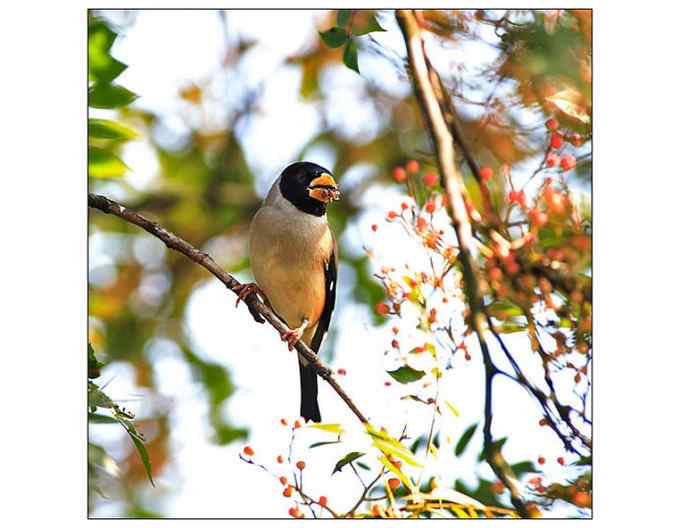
<point x="292" y="337"/>
<point x="242" y="291"/>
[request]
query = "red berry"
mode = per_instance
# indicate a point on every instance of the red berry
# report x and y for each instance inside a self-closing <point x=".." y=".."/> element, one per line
<point x="555" y="140"/>
<point x="560" y="461"/>
<point x="391" y="215"/>
<point x="430" y="179"/>
<point x="374" y="227"/>
<point x="552" y="159"/>
<point x="323" y="501"/>
<point x="283" y="480"/>
<point x="404" y="205"/>
<point x="381" y="309"/>
<point x="283" y="421"/>
<point x="568" y="162"/>
<point x="551" y="124"/>
<point x="395" y="343"/>
<point x="393" y="483"/>
<point x="279" y="459"/>
<point x="541" y="460"/>
<point x="485" y="173"/>
<point x="497" y="487"/>
<point x="412" y="166"/>
<point x="248" y="451"/>
<point x="399" y="174"/>
<point x="430" y="207"/>
<point x="341" y="372"/>
<point x="296" y="425"/>
<point x="543" y="421"/>
<point x="293" y="512"/>
<point x="288" y="491"/>
<point x="581" y="499"/>
<point x="495" y="273"/>
<point x="517" y="197"/>
<point x="388" y="383"/>
<point x="300" y="464"/>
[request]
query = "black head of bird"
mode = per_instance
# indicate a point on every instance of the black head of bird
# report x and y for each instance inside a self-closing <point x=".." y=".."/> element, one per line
<point x="309" y="187"/>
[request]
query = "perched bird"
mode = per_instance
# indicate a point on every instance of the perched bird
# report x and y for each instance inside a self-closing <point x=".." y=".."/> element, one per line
<point x="293" y="255"/>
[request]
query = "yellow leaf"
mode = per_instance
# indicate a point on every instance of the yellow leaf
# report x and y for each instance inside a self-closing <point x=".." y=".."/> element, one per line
<point x="452" y="408"/>
<point x="570" y="102"/>
<point x="328" y="427"/>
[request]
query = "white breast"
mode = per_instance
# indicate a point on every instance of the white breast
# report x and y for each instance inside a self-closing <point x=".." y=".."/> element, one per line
<point x="288" y="251"/>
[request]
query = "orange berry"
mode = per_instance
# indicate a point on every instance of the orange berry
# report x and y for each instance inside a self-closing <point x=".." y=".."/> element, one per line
<point x="323" y="501"/>
<point x="568" y="162"/>
<point x="391" y="215"/>
<point x="279" y="459"/>
<point x="399" y="174"/>
<point x="375" y="510"/>
<point x="300" y="464"/>
<point x="485" y="173"/>
<point x="296" y="425"/>
<point x="551" y="124"/>
<point x="248" y="451"/>
<point x="283" y="480"/>
<point x="576" y="139"/>
<point x="582" y="499"/>
<point x="430" y="207"/>
<point x="394" y="483"/>
<point x="560" y="461"/>
<point x="430" y="179"/>
<point x="293" y="512"/>
<point x="497" y="487"/>
<point x="404" y="205"/>
<point x="538" y="217"/>
<point x="288" y="491"/>
<point x="283" y="421"/>
<point x="543" y="421"/>
<point x="412" y="166"/>
<point x="541" y="460"/>
<point x="495" y="273"/>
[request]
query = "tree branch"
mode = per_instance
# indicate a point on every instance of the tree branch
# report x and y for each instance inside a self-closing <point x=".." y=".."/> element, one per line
<point x="452" y="182"/>
<point x="256" y="307"/>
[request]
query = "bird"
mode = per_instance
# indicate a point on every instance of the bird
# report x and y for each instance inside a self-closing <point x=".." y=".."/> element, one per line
<point x="293" y="257"/>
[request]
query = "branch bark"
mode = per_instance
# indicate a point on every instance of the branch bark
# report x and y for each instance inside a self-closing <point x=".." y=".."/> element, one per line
<point x="443" y="140"/>
<point x="203" y="259"/>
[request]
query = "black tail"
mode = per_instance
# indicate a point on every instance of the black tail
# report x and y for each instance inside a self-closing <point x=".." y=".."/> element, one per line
<point x="309" y="406"/>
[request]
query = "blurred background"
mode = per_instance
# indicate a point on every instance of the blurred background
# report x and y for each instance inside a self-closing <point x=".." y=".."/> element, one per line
<point x="225" y="100"/>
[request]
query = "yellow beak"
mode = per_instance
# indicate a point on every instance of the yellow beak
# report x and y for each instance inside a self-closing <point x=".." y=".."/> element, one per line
<point x="324" y="188"/>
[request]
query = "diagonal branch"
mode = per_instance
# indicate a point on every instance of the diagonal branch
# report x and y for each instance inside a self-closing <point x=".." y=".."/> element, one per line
<point x="256" y="307"/>
<point x="452" y="182"/>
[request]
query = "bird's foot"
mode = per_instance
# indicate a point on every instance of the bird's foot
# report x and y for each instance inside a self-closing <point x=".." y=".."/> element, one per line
<point x="294" y="335"/>
<point x="242" y="291"/>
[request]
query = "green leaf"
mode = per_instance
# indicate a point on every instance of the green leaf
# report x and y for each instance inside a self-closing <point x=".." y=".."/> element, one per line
<point x="319" y="444"/>
<point x="144" y="455"/>
<point x="107" y="129"/>
<point x="104" y="95"/>
<point x="96" y="398"/>
<point x="465" y="439"/>
<point x="349" y="57"/>
<point x="372" y="26"/>
<point x="363" y="466"/>
<point x="343" y="16"/>
<point x="101" y="419"/>
<point x="102" y="67"/>
<point x="334" y="37"/>
<point x="349" y="457"/>
<point x="104" y="164"/>
<point x="93" y="365"/>
<point x="583" y="461"/>
<point x="406" y="374"/>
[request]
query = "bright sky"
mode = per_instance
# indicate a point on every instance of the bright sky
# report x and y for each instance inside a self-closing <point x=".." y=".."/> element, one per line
<point x="166" y="50"/>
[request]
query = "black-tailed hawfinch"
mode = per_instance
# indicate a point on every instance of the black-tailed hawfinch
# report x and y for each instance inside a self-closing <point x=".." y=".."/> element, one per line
<point x="293" y="256"/>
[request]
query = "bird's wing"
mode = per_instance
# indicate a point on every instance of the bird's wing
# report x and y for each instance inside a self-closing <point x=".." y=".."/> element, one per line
<point x="331" y="279"/>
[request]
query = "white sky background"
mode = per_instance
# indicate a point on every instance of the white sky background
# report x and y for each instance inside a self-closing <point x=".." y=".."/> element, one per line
<point x="166" y="50"/>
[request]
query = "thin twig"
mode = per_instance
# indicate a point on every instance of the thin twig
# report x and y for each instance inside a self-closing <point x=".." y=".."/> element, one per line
<point x="256" y="307"/>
